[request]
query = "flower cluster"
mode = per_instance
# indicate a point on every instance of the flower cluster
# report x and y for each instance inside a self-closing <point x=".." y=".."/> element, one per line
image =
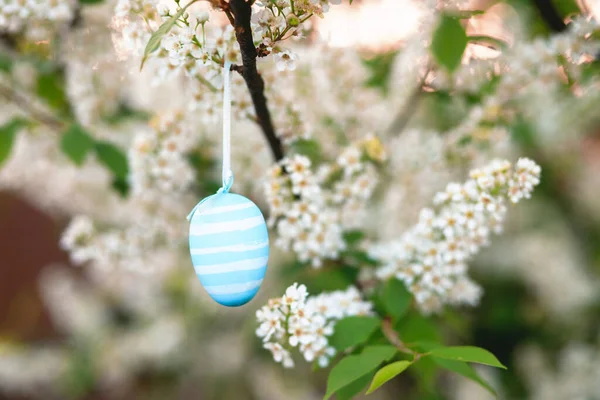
<point x="158" y="157"/>
<point x="30" y="15"/>
<point x="197" y="49"/>
<point x="537" y="64"/>
<point x="431" y="258"/>
<point x="573" y="374"/>
<point x="303" y="221"/>
<point x="297" y="320"/>
<point x="311" y="210"/>
<point x="94" y="82"/>
<point x="275" y="21"/>
<point x="523" y="76"/>
<point x="28" y="372"/>
<point x="131" y="20"/>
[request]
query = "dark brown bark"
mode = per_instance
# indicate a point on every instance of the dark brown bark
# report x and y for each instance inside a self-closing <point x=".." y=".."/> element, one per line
<point x="550" y="15"/>
<point x="242" y="12"/>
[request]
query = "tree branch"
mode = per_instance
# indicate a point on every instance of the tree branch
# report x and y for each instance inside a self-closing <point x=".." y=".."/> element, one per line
<point x="550" y="15"/>
<point x="28" y="107"/>
<point x="412" y="104"/>
<point x="242" y="12"/>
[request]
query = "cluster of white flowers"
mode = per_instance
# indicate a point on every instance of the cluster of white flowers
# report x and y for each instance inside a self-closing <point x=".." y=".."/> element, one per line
<point x="357" y="182"/>
<point x="297" y="320"/>
<point x="94" y="81"/>
<point x="161" y="179"/>
<point x="275" y="21"/>
<point x="158" y="157"/>
<point x="431" y="258"/>
<point x="143" y="247"/>
<point x="31" y="15"/>
<point x="311" y="211"/>
<point x="28" y="372"/>
<point x="298" y="211"/>
<point x="535" y="65"/>
<point x="525" y="75"/>
<point x="134" y="20"/>
<point x="81" y="310"/>
<point x="575" y="374"/>
<point x="197" y="49"/>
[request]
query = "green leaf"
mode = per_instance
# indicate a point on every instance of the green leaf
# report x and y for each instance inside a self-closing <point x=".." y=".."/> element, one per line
<point x="51" y="88"/>
<point x="426" y="372"/>
<point x="162" y="30"/>
<point x="449" y="42"/>
<point x="567" y="7"/>
<point x="385" y="352"/>
<point x="6" y="63"/>
<point x="113" y="158"/>
<point x="425" y="346"/>
<point x="416" y="328"/>
<point x="360" y="258"/>
<point x="124" y="113"/>
<point x="76" y="143"/>
<point x="353" y="331"/>
<point x="468" y="354"/>
<point x="352" y="238"/>
<point x="348" y="392"/>
<point x="465" y="370"/>
<point x="121" y="186"/>
<point x="8" y="131"/>
<point x="466" y="14"/>
<point x="396" y="298"/>
<point x="328" y="279"/>
<point x="380" y="69"/>
<point x="387" y="373"/>
<point x="309" y="148"/>
<point x="352" y="368"/>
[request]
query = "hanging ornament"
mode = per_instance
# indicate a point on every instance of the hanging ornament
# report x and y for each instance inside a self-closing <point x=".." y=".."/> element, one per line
<point x="229" y="242"/>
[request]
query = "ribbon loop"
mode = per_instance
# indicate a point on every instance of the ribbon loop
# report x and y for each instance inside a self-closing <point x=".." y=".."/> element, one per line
<point x="227" y="174"/>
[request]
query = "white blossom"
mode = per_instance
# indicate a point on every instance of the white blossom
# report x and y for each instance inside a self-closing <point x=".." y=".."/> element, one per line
<point x="431" y="257"/>
<point x="310" y="320"/>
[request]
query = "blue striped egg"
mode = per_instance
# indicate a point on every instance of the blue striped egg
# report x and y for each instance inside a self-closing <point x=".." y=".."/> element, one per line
<point x="229" y="245"/>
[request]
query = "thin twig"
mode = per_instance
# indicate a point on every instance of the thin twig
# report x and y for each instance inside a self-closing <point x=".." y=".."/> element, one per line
<point x="26" y="105"/>
<point x="392" y="336"/>
<point x="242" y="13"/>
<point x="406" y="113"/>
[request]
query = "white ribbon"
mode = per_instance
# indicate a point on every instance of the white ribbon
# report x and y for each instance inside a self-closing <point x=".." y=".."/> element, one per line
<point x="227" y="173"/>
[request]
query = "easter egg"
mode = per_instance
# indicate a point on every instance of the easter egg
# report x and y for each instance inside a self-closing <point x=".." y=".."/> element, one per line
<point x="229" y="245"/>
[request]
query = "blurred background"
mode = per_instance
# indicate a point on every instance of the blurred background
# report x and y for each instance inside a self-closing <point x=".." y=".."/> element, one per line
<point x="66" y="334"/>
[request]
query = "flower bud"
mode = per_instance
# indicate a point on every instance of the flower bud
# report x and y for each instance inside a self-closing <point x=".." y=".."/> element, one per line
<point x="293" y="20"/>
<point x="203" y="17"/>
<point x="163" y="10"/>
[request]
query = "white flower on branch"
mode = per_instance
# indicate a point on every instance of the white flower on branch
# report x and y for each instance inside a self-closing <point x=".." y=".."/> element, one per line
<point x="286" y="60"/>
<point x="311" y="211"/>
<point x="431" y="257"/>
<point x="298" y="320"/>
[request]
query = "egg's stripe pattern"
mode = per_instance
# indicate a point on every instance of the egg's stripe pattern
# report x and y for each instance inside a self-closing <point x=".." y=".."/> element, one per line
<point x="236" y="266"/>
<point x="223" y="262"/>
<point x="229" y="247"/>
<point x="234" y="248"/>
<point x="222" y="209"/>
<point x="233" y="288"/>
<point x="226" y="278"/>
<point x="241" y="237"/>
